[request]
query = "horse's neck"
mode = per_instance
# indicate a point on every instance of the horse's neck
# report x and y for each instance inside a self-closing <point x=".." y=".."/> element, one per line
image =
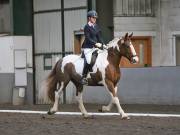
<point x="114" y="58"/>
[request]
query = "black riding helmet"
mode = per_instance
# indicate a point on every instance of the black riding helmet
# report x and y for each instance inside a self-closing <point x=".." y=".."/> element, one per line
<point x="92" y="13"/>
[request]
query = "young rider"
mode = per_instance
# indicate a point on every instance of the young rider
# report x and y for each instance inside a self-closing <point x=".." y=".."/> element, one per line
<point x="93" y="39"/>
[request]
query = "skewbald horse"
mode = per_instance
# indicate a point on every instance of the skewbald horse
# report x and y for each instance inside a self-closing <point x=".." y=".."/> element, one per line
<point x="105" y="73"/>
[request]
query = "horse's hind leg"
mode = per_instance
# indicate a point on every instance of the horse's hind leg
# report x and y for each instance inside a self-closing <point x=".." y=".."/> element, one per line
<point x="80" y="101"/>
<point x="58" y="93"/>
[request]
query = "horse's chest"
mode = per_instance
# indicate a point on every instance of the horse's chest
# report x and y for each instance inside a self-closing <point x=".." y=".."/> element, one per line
<point x="112" y="73"/>
<point x="108" y="72"/>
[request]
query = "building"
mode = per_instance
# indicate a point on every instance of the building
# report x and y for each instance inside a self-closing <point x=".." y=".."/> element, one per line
<point x="49" y="30"/>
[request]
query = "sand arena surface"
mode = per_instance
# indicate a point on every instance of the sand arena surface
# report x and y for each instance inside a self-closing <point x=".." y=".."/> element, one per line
<point x="42" y="124"/>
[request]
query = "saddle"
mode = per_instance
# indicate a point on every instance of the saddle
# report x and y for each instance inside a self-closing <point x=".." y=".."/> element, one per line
<point x="93" y="59"/>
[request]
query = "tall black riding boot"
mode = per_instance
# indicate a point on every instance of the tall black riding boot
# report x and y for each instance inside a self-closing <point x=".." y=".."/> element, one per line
<point x="84" y="74"/>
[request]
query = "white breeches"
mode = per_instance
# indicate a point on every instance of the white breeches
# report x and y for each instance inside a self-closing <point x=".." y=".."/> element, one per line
<point x="88" y="54"/>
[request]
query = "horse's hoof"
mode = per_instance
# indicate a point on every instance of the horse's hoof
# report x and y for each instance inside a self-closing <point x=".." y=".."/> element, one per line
<point x="87" y="116"/>
<point x="51" y="112"/>
<point x="100" y="110"/>
<point x="125" y="118"/>
<point x="43" y="117"/>
<point x="104" y="109"/>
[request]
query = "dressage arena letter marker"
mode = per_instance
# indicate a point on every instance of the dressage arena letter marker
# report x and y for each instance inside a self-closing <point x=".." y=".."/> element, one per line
<point x="91" y="113"/>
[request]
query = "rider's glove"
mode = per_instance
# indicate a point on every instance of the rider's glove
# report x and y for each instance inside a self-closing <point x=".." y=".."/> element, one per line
<point x="105" y="47"/>
<point x="99" y="45"/>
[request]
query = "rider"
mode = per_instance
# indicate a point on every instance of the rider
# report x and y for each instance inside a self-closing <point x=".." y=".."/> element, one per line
<point x="92" y="39"/>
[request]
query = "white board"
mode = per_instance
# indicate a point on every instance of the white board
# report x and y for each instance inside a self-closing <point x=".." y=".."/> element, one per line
<point x="20" y="77"/>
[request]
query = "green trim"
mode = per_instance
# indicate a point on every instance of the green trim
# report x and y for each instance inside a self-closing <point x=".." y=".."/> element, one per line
<point x="53" y="53"/>
<point x="46" y="66"/>
<point x="22" y="17"/>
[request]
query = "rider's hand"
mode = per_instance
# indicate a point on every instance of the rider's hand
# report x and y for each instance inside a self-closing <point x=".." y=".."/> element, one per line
<point x="99" y="45"/>
<point x="105" y="47"/>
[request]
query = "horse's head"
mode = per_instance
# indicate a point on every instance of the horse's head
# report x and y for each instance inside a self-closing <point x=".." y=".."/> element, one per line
<point x="127" y="49"/>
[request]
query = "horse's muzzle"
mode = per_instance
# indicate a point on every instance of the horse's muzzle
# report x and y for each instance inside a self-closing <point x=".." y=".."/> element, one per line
<point x="134" y="60"/>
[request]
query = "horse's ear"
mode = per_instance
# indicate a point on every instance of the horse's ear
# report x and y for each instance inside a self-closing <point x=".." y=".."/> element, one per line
<point x="131" y="35"/>
<point x="125" y="37"/>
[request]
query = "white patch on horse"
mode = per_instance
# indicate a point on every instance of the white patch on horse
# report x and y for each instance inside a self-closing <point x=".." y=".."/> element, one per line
<point x="120" y="110"/>
<point x="133" y="52"/>
<point x="132" y="49"/>
<point x="101" y="64"/>
<point x="57" y="95"/>
<point x="81" y="105"/>
<point x="76" y="60"/>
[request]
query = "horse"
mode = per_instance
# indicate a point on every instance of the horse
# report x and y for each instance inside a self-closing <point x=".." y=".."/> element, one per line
<point x="105" y="72"/>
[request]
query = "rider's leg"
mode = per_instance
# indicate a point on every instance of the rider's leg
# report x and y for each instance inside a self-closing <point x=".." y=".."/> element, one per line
<point x="88" y="55"/>
<point x="93" y="60"/>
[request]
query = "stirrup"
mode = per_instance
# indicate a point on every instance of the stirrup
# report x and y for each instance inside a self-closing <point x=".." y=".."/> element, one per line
<point x="84" y="81"/>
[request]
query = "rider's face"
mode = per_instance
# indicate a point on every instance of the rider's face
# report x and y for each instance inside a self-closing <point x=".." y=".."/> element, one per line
<point x="92" y="20"/>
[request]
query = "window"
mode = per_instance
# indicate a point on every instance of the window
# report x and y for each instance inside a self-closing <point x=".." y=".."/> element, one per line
<point x="134" y="8"/>
<point x="47" y="62"/>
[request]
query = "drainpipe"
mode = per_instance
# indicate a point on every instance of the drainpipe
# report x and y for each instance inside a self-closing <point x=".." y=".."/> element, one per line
<point x="160" y="32"/>
<point x="63" y="41"/>
<point x="33" y="56"/>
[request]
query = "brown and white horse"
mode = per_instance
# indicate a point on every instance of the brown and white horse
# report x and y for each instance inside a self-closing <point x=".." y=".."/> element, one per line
<point x="105" y="73"/>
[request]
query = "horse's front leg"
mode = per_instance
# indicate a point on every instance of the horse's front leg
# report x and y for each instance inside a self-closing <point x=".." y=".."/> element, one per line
<point x="114" y="100"/>
<point x="57" y="93"/>
<point x="81" y="105"/>
<point x="110" y="105"/>
<point x="120" y="110"/>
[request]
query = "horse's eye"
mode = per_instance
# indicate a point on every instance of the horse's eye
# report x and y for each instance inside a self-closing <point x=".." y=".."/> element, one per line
<point x="127" y="46"/>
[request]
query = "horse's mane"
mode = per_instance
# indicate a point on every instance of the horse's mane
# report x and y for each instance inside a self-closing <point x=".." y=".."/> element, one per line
<point x="113" y="43"/>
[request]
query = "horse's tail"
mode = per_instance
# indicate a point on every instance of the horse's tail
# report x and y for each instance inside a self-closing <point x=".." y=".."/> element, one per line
<point x="50" y="84"/>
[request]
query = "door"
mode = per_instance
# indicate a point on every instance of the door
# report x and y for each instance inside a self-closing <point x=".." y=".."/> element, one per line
<point x="142" y="46"/>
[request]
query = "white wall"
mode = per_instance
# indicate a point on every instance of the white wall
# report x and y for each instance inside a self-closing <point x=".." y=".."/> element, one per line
<point x="170" y="27"/>
<point x="7" y="46"/>
<point x="24" y="42"/>
<point x="158" y="85"/>
<point x="6" y="55"/>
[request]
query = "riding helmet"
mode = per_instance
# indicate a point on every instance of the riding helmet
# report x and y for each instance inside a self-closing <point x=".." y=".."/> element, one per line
<point x="92" y="13"/>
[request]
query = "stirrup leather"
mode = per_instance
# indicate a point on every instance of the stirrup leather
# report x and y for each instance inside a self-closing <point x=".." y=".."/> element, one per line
<point x="84" y="81"/>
